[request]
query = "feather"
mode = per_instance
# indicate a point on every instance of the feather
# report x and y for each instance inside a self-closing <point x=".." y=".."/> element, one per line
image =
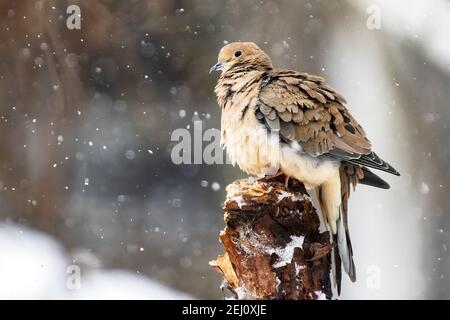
<point x="371" y="160"/>
<point x="285" y="116"/>
<point x="371" y="179"/>
<point x="272" y="115"/>
<point x="259" y="115"/>
<point x="297" y="116"/>
<point x="287" y="130"/>
<point x="274" y="125"/>
<point x="265" y="109"/>
<point x="348" y="174"/>
<point x="280" y="107"/>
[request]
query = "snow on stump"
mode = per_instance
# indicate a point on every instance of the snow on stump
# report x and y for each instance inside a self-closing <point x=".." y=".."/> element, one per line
<point x="274" y="249"/>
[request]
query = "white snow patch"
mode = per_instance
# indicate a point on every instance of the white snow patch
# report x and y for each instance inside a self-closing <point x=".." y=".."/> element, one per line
<point x="239" y="200"/>
<point x="320" y="295"/>
<point x="278" y="280"/>
<point x="287" y="253"/>
<point x="119" y="284"/>
<point x="298" y="268"/>
<point x="243" y="294"/>
<point x="283" y="194"/>
<point x="34" y="266"/>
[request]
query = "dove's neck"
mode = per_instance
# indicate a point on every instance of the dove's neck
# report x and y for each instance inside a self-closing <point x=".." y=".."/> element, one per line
<point x="237" y="82"/>
<point x="239" y="69"/>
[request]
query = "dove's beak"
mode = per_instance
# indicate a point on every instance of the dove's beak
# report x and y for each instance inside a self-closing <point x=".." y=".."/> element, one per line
<point x="218" y="66"/>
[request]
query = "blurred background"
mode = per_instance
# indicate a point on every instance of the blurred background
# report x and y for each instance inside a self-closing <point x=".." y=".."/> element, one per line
<point x="87" y="184"/>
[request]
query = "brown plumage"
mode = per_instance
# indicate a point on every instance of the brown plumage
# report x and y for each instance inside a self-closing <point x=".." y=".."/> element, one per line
<point x="317" y="140"/>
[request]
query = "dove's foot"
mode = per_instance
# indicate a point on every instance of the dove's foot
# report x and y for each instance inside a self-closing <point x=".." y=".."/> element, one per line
<point x="271" y="177"/>
<point x="286" y="182"/>
<point x="277" y="177"/>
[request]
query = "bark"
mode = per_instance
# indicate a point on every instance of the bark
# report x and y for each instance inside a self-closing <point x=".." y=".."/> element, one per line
<point x="274" y="249"/>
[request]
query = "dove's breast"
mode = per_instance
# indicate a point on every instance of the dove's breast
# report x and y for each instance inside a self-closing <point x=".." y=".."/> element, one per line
<point x="248" y="143"/>
<point x="260" y="153"/>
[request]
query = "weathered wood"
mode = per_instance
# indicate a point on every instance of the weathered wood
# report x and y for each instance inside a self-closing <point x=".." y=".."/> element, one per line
<point x="274" y="249"/>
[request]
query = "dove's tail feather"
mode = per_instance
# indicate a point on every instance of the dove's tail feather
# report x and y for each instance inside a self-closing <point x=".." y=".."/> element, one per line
<point x="371" y="179"/>
<point x="349" y="175"/>
<point x="342" y="254"/>
<point x="336" y="260"/>
<point x="333" y="200"/>
<point x="336" y="265"/>
<point x="344" y="247"/>
<point x="372" y="160"/>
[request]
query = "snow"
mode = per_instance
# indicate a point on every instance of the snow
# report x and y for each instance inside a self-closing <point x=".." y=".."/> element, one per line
<point x="215" y="186"/>
<point x="121" y="285"/>
<point x="130" y="154"/>
<point x="298" y="268"/>
<point x="239" y="201"/>
<point x="287" y="253"/>
<point x="281" y="195"/>
<point x="243" y="294"/>
<point x="320" y="295"/>
<point x="294" y="197"/>
<point x="34" y="266"/>
<point x="424" y="188"/>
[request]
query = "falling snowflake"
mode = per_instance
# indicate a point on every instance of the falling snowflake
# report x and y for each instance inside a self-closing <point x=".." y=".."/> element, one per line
<point x="215" y="186"/>
<point x="424" y="188"/>
<point x="130" y="154"/>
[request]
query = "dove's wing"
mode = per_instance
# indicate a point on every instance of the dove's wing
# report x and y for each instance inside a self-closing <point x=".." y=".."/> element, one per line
<point x="306" y="110"/>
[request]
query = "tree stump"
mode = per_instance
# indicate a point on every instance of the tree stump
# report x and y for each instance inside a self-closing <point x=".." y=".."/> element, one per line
<point x="274" y="249"/>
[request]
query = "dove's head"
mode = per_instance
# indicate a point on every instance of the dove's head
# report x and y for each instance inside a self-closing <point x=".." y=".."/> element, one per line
<point x="241" y="55"/>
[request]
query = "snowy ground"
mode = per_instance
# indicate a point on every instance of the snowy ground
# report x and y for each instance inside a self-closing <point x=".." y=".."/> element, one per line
<point x="34" y="266"/>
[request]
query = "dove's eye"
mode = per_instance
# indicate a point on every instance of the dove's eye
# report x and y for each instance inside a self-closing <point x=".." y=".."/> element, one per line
<point x="237" y="53"/>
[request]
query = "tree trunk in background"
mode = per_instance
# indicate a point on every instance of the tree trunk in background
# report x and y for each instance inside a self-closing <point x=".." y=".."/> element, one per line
<point x="274" y="249"/>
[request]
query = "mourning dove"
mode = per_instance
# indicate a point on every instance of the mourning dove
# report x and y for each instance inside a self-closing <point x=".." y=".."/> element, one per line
<point x="276" y="120"/>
